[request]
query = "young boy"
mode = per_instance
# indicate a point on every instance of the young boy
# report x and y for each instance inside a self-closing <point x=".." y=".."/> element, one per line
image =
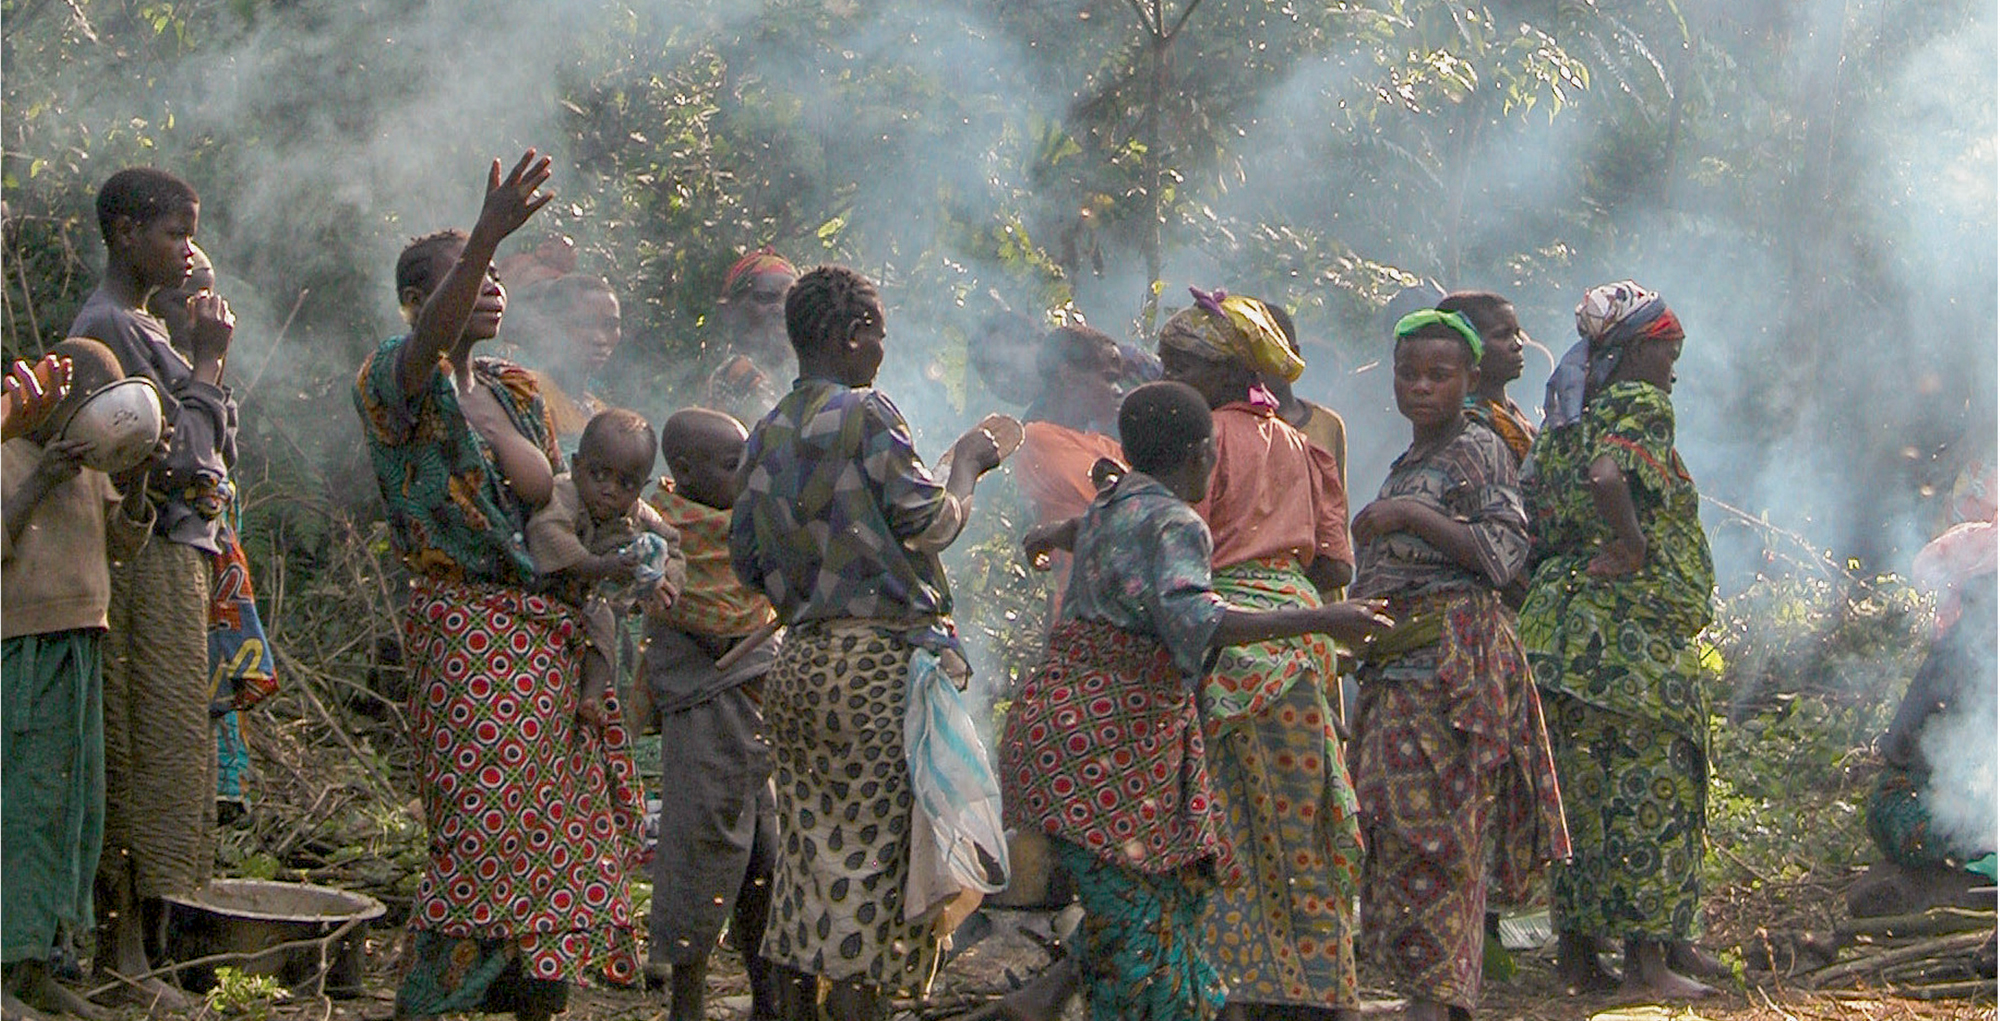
<point x="840" y="525"/>
<point x="65" y="524"/>
<point x="602" y="545"/>
<point x="159" y="778"/>
<point x="718" y="832"/>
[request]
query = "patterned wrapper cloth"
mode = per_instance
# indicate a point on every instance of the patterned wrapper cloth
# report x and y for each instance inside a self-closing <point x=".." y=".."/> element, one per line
<point x="1103" y="752"/>
<point x="1450" y="751"/>
<point x="833" y="709"/>
<point x="533" y="817"/>
<point x="1280" y="930"/>
<point x="1620" y="671"/>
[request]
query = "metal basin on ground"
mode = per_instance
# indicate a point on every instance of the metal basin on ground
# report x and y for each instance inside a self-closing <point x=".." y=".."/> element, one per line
<point x="245" y="916"/>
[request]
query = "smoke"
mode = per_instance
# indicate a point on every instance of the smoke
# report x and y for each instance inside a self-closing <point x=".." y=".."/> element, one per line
<point x="1958" y="744"/>
<point x="323" y="135"/>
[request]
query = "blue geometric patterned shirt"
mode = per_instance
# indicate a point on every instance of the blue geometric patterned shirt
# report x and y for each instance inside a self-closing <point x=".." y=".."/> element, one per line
<point x="833" y="496"/>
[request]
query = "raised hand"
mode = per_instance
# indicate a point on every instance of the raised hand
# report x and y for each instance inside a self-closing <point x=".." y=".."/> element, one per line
<point x="978" y="450"/>
<point x="32" y="393"/>
<point x="511" y="200"/>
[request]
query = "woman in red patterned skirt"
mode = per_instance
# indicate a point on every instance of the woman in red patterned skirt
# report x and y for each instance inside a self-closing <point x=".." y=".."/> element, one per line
<point x="532" y="816"/>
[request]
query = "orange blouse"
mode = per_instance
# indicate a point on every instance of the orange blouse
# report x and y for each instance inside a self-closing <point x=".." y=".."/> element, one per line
<point x="1275" y="493"/>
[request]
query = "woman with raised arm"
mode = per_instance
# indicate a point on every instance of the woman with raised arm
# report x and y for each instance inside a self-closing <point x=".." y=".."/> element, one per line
<point x="532" y="817"/>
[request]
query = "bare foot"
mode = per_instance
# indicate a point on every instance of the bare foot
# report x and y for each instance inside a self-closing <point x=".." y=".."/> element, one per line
<point x="1577" y="966"/>
<point x="1646" y="971"/>
<point x="1689" y="958"/>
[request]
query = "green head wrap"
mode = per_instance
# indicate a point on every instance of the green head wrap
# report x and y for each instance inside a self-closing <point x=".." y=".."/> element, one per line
<point x="1456" y="320"/>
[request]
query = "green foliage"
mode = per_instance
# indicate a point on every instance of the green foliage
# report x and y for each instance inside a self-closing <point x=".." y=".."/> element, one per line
<point x="251" y="997"/>
<point x="1815" y="669"/>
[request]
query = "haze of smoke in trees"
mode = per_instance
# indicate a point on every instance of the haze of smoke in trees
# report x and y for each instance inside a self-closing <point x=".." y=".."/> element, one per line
<point x="1799" y="404"/>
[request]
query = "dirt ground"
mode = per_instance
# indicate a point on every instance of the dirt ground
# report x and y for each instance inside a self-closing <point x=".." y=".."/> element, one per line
<point x="981" y="972"/>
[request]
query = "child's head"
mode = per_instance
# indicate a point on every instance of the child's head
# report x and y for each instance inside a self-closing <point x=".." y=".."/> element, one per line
<point x="1501" y="360"/>
<point x="835" y="321"/>
<point x="92" y="366"/>
<point x="1166" y="430"/>
<point x="170" y="304"/>
<point x="148" y="218"/>
<point x="1437" y="359"/>
<point x="424" y="264"/>
<point x="613" y="461"/>
<point x="703" y="449"/>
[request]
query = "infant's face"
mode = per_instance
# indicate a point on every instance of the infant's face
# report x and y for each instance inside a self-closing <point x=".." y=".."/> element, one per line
<point x="608" y="481"/>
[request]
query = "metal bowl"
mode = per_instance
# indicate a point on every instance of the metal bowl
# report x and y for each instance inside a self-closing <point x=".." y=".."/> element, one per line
<point x="121" y="419"/>
<point x="253" y="916"/>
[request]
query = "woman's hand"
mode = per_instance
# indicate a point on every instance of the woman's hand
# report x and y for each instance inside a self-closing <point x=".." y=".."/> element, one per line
<point x="512" y="200"/>
<point x="976" y="450"/>
<point x="659" y="601"/>
<point x="1617" y="559"/>
<point x="1356" y="620"/>
<point x="1381" y="518"/>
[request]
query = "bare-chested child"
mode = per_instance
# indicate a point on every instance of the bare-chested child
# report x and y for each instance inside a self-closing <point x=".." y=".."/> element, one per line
<point x="602" y="546"/>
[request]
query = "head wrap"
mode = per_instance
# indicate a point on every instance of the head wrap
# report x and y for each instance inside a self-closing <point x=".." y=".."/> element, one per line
<point x="1420" y="295"/>
<point x="763" y="260"/>
<point x="1223" y="327"/>
<point x="1456" y="320"/>
<point x="1608" y="320"/>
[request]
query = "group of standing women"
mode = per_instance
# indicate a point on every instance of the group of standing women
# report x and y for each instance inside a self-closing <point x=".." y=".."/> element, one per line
<point x="1453" y="780"/>
<point x="1449" y="777"/>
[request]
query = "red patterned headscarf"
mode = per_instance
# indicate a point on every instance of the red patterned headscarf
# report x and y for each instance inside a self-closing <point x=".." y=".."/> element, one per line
<point x="763" y="260"/>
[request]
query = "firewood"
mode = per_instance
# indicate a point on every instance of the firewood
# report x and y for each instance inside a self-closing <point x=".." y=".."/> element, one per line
<point x="1937" y="921"/>
<point x="1948" y="991"/>
<point x="1869" y="964"/>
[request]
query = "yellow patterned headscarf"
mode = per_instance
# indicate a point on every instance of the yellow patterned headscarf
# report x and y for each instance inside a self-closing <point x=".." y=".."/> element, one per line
<point x="1224" y="327"/>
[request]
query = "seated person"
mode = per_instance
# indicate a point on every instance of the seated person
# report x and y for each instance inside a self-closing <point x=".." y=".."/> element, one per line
<point x="1931" y="813"/>
<point x="602" y="546"/>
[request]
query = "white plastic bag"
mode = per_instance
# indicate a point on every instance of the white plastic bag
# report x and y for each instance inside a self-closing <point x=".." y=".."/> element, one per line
<point x="958" y="845"/>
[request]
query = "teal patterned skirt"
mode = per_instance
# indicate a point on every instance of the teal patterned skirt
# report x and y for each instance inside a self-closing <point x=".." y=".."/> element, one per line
<point x="1141" y="957"/>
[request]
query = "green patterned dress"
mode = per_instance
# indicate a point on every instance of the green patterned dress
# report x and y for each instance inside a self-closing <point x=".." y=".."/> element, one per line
<point x="1616" y="661"/>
